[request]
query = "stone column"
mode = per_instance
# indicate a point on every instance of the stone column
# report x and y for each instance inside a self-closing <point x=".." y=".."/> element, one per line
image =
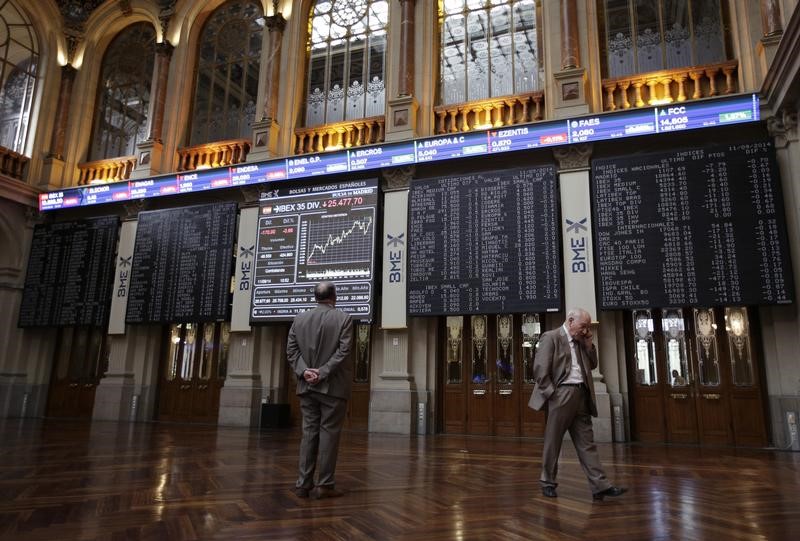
<point x="578" y="262"/>
<point x="771" y="17"/>
<point x="780" y="325"/>
<point x="571" y="81"/>
<point x="772" y="31"/>
<point x="393" y="396"/>
<point x="54" y="161"/>
<point x="240" y="398"/>
<point x="570" y="48"/>
<point x="149" y="153"/>
<point x="266" y="129"/>
<point x="401" y="112"/>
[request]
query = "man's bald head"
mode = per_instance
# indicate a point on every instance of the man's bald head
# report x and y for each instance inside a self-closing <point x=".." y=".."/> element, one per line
<point x="325" y="292"/>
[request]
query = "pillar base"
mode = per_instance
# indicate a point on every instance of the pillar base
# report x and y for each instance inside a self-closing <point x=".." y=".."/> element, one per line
<point x="149" y="159"/>
<point x="240" y="401"/>
<point x="265" y="140"/>
<point x="113" y="399"/>
<point x="52" y="173"/>
<point x="570" y="94"/>
<point x="401" y="119"/>
<point x="393" y="412"/>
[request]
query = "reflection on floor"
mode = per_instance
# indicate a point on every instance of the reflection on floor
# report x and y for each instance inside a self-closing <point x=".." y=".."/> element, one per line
<point x="75" y="480"/>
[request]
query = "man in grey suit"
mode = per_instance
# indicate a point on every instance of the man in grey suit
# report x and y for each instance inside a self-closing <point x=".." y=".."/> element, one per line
<point x="562" y="367"/>
<point x="319" y="354"/>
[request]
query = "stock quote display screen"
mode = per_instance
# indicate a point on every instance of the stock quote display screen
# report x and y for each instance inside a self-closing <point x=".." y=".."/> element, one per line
<point x="697" y="227"/>
<point x="307" y="235"/>
<point x="70" y="273"/>
<point x="484" y="243"/>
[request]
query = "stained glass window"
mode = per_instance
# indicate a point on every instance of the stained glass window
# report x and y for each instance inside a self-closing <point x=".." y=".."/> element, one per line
<point x="347" y="51"/>
<point x="226" y="86"/>
<point x="649" y="35"/>
<point x="489" y="48"/>
<point x="19" y="63"/>
<point x="123" y="96"/>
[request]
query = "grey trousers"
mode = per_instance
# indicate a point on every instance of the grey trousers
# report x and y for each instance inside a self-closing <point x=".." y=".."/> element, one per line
<point x="323" y="417"/>
<point x="568" y="409"/>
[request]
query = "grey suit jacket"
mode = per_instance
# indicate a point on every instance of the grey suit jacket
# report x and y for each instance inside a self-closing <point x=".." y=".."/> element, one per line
<point x="321" y="338"/>
<point x="551" y="366"/>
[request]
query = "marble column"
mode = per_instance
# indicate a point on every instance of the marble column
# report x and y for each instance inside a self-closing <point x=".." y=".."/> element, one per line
<point x="401" y="113"/>
<point x="771" y="32"/>
<point x="571" y="80"/>
<point x="266" y="129"/>
<point x="578" y="263"/>
<point x="570" y="47"/>
<point x="150" y="153"/>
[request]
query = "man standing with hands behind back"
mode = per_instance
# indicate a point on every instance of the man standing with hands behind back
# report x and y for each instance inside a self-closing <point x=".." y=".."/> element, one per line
<point x="562" y="367"/>
<point x="318" y="351"/>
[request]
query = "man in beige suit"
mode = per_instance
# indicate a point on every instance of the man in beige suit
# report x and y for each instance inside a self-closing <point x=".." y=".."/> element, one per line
<point x="319" y="354"/>
<point x="562" y="368"/>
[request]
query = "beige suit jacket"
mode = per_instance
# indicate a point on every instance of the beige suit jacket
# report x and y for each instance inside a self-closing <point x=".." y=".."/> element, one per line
<point x="322" y="338"/>
<point x="552" y="364"/>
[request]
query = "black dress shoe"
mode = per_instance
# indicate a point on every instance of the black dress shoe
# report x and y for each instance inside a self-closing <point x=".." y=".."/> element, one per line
<point x="610" y="491"/>
<point x="549" y="492"/>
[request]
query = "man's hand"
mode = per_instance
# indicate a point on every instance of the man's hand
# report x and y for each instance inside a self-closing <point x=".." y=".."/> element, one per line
<point x="311" y="375"/>
<point x="586" y="339"/>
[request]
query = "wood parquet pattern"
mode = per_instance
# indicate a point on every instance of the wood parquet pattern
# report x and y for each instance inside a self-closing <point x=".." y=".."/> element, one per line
<point x="69" y="480"/>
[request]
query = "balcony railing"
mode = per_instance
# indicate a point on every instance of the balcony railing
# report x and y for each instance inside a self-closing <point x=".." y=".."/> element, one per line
<point x="353" y="133"/>
<point x="12" y="164"/>
<point x="668" y="86"/>
<point x="493" y="113"/>
<point x="217" y="154"/>
<point x="109" y="170"/>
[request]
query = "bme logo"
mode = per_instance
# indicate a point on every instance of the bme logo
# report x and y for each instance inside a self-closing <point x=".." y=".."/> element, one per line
<point x="578" y="243"/>
<point x="395" y="257"/>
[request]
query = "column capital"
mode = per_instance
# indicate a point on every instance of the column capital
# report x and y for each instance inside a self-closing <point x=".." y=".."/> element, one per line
<point x="573" y="157"/>
<point x="165" y="48"/>
<point x="783" y="127"/>
<point x="397" y="178"/>
<point x="276" y="23"/>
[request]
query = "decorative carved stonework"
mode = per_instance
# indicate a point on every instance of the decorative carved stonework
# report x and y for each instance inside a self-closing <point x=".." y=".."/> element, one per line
<point x="33" y="217"/>
<point x="133" y="208"/>
<point x="573" y="157"/>
<point x="397" y="178"/>
<point x="251" y="194"/>
<point x="75" y="14"/>
<point x="125" y="7"/>
<point x="783" y="127"/>
<point x="165" y="13"/>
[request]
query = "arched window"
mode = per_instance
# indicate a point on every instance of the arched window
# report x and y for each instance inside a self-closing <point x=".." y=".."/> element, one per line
<point x="227" y="73"/>
<point x="347" y="51"/>
<point x="489" y="48"/>
<point x="649" y="35"/>
<point x="19" y="62"/>
<point x="123" y="94"/>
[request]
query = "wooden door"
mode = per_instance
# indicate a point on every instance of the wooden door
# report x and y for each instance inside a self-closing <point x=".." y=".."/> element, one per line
<point x="193" y="372"/>
<point x="532" y="421"/>
<point x="696" y="377"/>
<point x="81" y="359"/>
<point x="488" y="375"/>
<point x="358" y="405"/>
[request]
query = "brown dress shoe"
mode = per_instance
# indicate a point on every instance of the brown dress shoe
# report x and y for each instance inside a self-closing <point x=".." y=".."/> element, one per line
<point x="301" y="492"/>
<point x="325" y="492"/>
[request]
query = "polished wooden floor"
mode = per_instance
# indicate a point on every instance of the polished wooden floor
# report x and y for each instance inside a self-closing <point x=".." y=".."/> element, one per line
<point x="62" y="480"/>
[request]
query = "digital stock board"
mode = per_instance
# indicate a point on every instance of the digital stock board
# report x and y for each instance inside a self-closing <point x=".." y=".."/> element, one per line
<point x="70" y="273"/>
<point x="696" y="227"/>
<point x="310" y="234"/>
<point x="182" y="262"/>
<point x="484" y="243"/>
<point x="585" y="129"/>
